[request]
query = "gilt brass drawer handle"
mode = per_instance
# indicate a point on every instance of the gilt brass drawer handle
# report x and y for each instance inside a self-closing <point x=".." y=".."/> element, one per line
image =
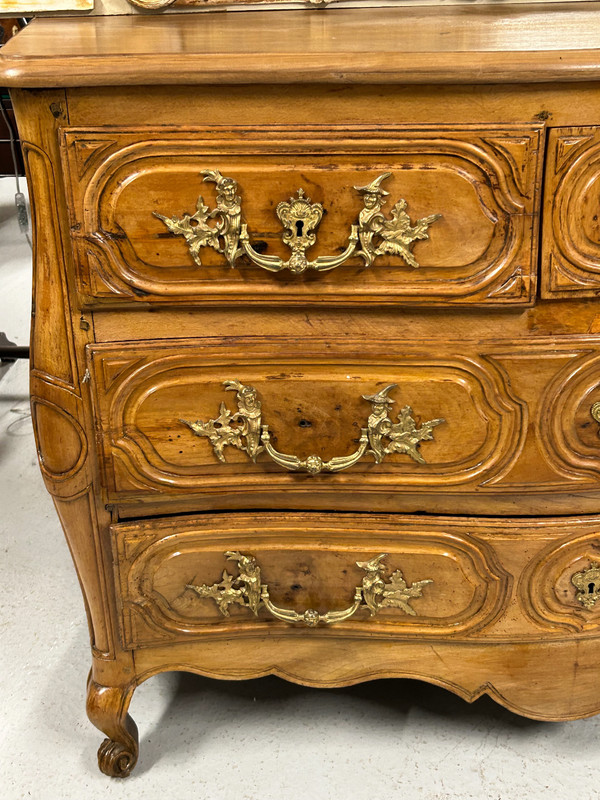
<point x="246" y="589"/>
<point x="373" y="236"/>
<point x="244" y="430"/>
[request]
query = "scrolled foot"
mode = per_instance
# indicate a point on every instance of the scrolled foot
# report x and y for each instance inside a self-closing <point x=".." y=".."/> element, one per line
<point x="116" y="760"/>
<point x="107" y="710"/>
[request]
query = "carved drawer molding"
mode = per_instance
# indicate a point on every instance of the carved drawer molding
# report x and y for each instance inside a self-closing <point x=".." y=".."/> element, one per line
<point x="562" y="586"/>
<point x="571" y="235"/>
<point x="140" y="229"/>
<point x="328" y="410"/>
<point x="302" y="570"/>
<point x="151" y="398"/>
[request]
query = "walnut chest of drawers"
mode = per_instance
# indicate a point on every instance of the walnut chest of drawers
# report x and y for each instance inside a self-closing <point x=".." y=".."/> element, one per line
<point x="316" y="345"/>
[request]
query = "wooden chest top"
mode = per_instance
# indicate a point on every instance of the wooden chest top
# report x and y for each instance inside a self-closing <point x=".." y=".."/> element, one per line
<point x="477" y="44"/>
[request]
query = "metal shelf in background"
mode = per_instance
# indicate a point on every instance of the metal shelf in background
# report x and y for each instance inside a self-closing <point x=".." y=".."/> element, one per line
<point x="9" y="351"/>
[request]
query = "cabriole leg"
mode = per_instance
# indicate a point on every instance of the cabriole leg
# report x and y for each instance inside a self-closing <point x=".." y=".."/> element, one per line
<point x="107" y="709"/>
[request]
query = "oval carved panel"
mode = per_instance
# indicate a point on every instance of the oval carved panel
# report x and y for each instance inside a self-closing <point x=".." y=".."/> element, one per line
<point x="61" y="441"/>
<point x="484" y="183"/>
<point x="571" y="237"/>
<point x="569" y="434"/>
<point x="548" y="591"/>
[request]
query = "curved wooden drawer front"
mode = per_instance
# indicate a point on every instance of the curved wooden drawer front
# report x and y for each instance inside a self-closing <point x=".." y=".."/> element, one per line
<point x="506" y="418"/>
<point x="571" y="239"/>
<point x="482" y="181"/>
<point x="172" y="573"/>
<point x="563" y="584"/>
<point x="494" y="580"/>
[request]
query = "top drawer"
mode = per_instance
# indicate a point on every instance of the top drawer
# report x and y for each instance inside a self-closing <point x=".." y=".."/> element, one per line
<point x="336" y="215"/>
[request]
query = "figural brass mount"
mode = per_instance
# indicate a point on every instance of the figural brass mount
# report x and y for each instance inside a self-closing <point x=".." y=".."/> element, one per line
<point x="373" y="236"/>
<point x="244" y="430"/>
<point x="246" y="589"/>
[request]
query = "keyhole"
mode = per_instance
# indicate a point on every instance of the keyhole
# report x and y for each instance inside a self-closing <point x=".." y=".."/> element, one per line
<point x="591" y="588"/>
<point x="299" y="227"/>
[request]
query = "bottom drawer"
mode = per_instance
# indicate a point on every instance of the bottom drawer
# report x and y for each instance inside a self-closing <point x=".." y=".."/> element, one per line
<point x="356" y="575"/>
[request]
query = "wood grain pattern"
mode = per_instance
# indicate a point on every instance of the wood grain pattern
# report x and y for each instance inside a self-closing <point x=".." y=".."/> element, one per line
<point x="336" y="104"/>
<point x="517" y="416"/>
<point x="523" y="660"/>
<point x="483" y="182"/>
<point x="312" y="398"/>
<point x="544" y="319"/>
<point x="531" y="679"/>
<point x="107" y="710"/>
<point x="571" y="244"/>
<point x="166" y="6"/>
<point x="307" y="563"/>
<point x="548" y="590"/>
<point x="61" y="423"/>
<point x="128" y="339"/>
<point x="473" y="45"/>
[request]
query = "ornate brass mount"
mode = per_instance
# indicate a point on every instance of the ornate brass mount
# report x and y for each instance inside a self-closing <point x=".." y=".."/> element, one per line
<point x="587" y="584"/>
<point x="373" y="236"/>
<point x="374" y="593"/>
<point x="244" y="430"/>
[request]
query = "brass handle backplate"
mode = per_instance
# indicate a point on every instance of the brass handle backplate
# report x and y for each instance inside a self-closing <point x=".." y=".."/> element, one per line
<point x="373" y="235"/>
<point x="246" y="589"/>
<point x="244" y="430"/>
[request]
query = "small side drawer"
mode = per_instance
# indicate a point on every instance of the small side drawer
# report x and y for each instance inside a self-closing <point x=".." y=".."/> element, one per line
<point x="571" y="233"/>
<point x="294" y="574"/>
<point x="337" y="215"/>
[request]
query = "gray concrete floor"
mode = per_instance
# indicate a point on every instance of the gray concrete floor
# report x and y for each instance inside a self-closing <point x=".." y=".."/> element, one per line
<point x="210" y="740"/>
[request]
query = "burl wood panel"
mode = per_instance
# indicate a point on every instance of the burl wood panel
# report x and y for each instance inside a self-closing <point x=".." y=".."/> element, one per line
<point x="483" y="181"/>
<point x="517" y="415"/>
<point x="571" y="232"/>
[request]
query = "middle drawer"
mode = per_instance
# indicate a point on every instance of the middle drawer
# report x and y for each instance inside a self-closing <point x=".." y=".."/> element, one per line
<point x="288" y="419"/>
